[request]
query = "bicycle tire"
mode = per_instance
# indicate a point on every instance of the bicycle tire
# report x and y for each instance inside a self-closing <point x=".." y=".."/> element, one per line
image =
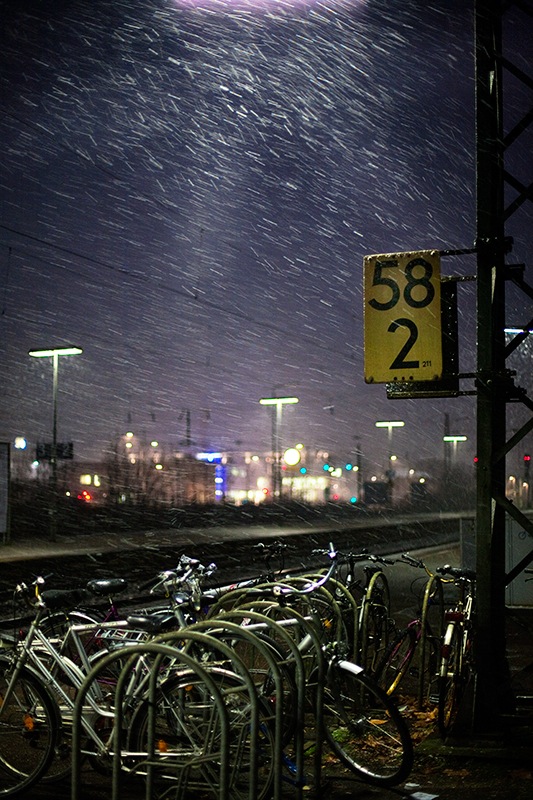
<point x="374" y="633"/>
<point x="398" y="657"/>
<point x="261" y="673"/>
<point x="432" y="629"/>
<point x="450" y="679"/>
<point x="323" y="605"/>
<point x="29" y="731"/>
<point x="364" y="727"/>
<point x="187" y="737"/>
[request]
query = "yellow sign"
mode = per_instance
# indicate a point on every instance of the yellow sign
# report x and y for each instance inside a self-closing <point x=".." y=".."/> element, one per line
<point x="402" y="317"/>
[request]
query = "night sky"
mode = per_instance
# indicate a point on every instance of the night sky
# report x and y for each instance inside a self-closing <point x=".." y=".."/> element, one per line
<point x="188" y="190"/>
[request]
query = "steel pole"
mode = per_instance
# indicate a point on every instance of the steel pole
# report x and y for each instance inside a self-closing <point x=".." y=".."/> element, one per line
<point x="492" y="692"/>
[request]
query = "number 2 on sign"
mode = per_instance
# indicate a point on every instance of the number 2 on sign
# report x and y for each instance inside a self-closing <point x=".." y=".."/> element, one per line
<point x="402" y="298"/>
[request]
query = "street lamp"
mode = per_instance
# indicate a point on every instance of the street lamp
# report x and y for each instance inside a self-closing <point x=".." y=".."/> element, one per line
<point x="453" y="439"/>
<point x="390" y="425"/>
<point x="278" y="402"/>
<point x="54" y="353"/>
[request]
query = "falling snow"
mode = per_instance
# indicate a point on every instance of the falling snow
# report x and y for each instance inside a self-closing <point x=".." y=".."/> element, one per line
<point x="189" y="188"/>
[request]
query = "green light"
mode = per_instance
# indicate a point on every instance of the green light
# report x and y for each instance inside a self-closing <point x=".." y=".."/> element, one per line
<point x="274" y="401"/>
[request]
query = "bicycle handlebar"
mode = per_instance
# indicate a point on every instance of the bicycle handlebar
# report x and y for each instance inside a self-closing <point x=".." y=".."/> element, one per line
<point x="52" y="599"/>
<point x="364" y="555"/>
<point x="457" y="572"/>
<point x="413" y="562"/>
<point x="188" y="570"/>
<point x="272" y="548"/>
<point x="287" y="591"/>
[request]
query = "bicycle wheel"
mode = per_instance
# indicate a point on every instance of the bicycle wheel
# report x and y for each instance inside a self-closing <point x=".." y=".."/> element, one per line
<point x="364" y="727"/>
<point x="261" y="673"/>
<point x="187" y="736"/>
<point x="398" y="657"/>
<point x="374" y="634"/>
<point x="432" y="629"/>
<point x="450" y="679"/>
<point x="322" y="605"/>
<point x="29" y="731"/>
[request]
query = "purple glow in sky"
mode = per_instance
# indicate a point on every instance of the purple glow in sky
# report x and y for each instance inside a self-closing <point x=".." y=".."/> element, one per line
<point x="272" y="6"/>
<point x="188" y="192"/>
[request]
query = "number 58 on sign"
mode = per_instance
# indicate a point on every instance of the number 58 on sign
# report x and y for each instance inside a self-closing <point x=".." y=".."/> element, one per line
<point x="402" y="317"/>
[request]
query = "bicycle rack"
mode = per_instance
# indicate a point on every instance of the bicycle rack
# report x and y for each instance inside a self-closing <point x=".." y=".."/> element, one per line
<point x="160" y="652"/>
<point x="257" y="620"/>
<point x="251" y="614"/>
<point x="226" y="626"/>
<point x="193" y="635"/>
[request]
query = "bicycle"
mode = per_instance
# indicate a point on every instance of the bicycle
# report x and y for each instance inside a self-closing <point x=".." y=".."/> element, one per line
<point x="363" y="727"/>
<point x="32" y="725"/>
<point x="40" y="687"/>
<point x="456" y="656"/>
<point x="421" y="637"/>
<point x="369" y="602"/>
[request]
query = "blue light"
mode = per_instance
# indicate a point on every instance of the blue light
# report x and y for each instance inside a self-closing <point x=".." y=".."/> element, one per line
<point x="348" y="466"/>
<point x="326" y="467"/>
<point x="303" y="470"/>
<point x="353" y="500"/>
<point x="212" y="458"/>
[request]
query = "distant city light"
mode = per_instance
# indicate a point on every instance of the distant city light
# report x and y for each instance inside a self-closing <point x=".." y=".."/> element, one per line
<point x="20" y="443"/>
<point x="292" y="456"/>
<point x="211" y="457"/>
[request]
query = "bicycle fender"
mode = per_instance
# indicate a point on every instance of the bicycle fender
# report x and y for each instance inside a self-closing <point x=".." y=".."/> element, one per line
<point x="351" y="667"/>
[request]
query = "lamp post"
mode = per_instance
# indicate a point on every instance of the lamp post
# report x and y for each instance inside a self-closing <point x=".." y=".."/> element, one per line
<point x="278" y="403"/>
<point x="358" y="465"/>
<point x="54" y="353"/>
<point x="454" y="439"/>
<point x="390" y="425"/>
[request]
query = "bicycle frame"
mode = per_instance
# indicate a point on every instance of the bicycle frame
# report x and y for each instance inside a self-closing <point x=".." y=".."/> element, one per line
<point x="459" y="617"/>
<point x="51" y="665"/>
